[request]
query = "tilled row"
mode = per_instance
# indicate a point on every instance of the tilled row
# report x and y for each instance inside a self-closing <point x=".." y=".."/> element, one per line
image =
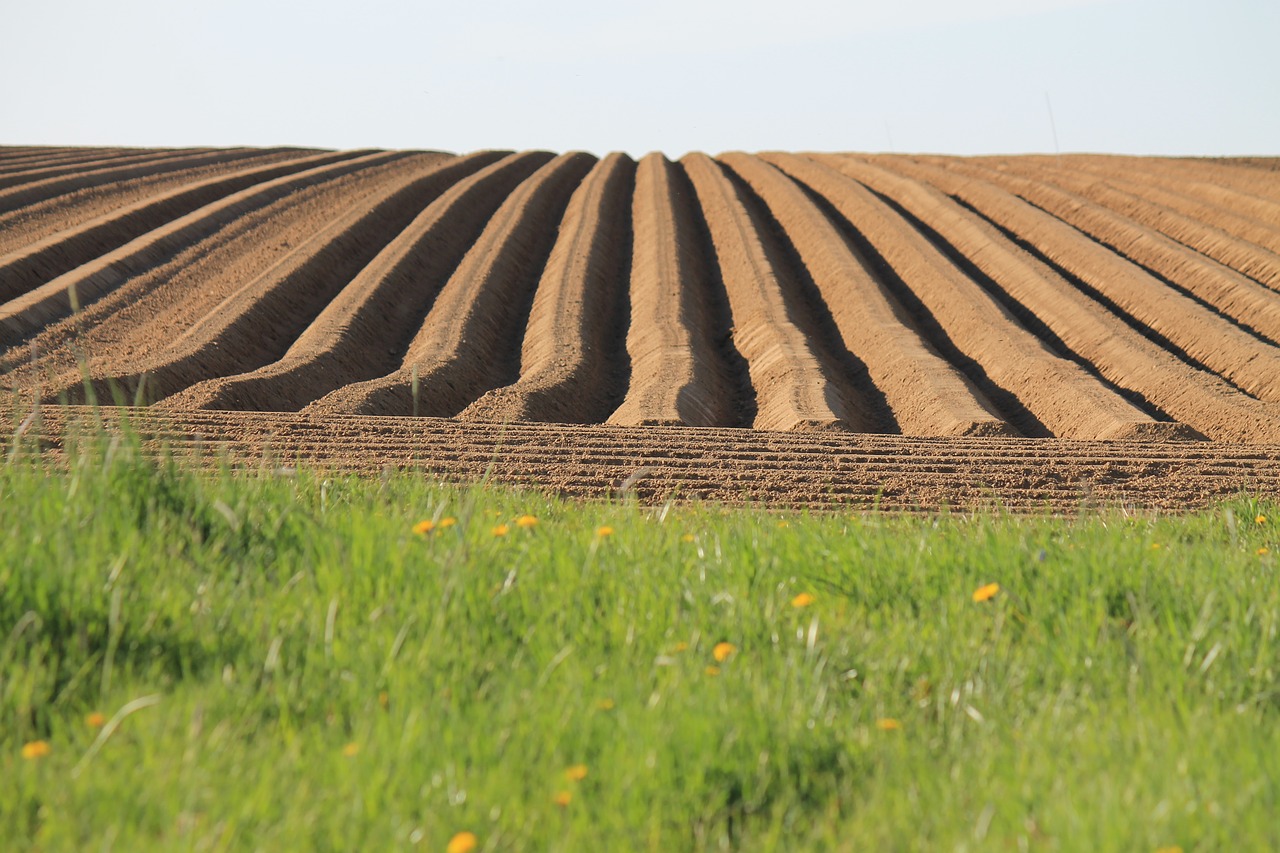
<point x="821" y="470"/>
<point x="1085" y="298"/>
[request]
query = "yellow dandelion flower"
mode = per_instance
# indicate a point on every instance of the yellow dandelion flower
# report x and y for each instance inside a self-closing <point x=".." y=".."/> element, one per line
<point x="784" y="524"/>
<point x="1263" y="551"/>
<point x="606" y="530"/>
<point x="888" y="724"/>
<point x="576" y="773"/>
<point x="605" y="704"/>
<point x="36" y="749"/>
<point x="680" y="647"/>
<point x="351" y="749"/>
<point x="688" y="537"/>
<point x="563" y="798"/>
<point x="986" y="593"/>
<point x="1174" y="849"/>
<point x="95" y="720"/>
<point x="712" y="670"/>
<point x="501" y="530"/>
<point x="1155" y="546"/>
<point x="804" y="599"/>
<point x="422" y="528"/>
<point x="723" y="651"/>
<point x="463" y="842"/>
<point x="526" y="521"/>
<point x="1260" y="519"/>
<point x="447" y="521"/>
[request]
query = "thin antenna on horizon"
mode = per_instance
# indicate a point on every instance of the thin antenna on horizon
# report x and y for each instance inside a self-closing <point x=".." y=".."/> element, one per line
<point x="1053" y="126"/>
<point x="889" y="133"/>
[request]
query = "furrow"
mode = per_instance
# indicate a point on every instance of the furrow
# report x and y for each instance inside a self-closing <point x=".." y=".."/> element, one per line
<point x="677" y="376"/>
<point x="1224" y="188"/>
<point x="49" y="170"/>
<point x="26" y="314"/>
<point x="1246" y="245"/>
<point x="1213" y="341"/>
<point x="36" y="222"/>
<point x="572" y="367"/>
<point x="21" y="196"/>
<point x="794" y="390"/>
<point x="468" y="343"/>
<point x="16" y="160"/>
<point x="257" y="323"/>
<point x="115" y="334"/>
<point x="1222" y="288"/>
<point x="993" y="346"/>
<point x="1198" y="399"/>
<point x="926" y="394"/>
<point x="364" y="332"/>
<point x="46" y="259"/>
<point x="76" y="159"/>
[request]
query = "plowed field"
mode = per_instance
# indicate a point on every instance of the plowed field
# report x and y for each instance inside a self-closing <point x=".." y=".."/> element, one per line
<point x="800" y="329"/>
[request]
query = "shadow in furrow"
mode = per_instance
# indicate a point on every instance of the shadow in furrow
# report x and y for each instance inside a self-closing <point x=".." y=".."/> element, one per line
<point x="1027" y="318"/>
<point x="1008" y="405"/>
<point x="714" y="302"/>
<point x="1093" y="293"/>
<point x="810" y="312"/>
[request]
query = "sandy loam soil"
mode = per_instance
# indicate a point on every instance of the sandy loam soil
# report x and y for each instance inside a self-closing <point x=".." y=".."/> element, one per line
<point x="912" y="331"/>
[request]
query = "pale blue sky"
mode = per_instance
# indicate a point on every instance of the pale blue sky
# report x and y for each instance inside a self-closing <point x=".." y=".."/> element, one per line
<point x="1123" y="76"/>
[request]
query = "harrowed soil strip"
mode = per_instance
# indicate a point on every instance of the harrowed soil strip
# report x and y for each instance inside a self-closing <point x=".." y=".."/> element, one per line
<point x="1063" y="397"/>
<point x="794" y="390"/>
<point x="24" y="315"/>
<point x="365" y="331"/>
<point x="927" y="395"/>
<point x="1194" y="397"/>
<point x="469" y="342"/>
<point x="677" y="375"/>
<point x="1240" y="298"/>
<point x="1212" y="340"/>
<point x="827" y="470"/>
<point x="570" y="359"/>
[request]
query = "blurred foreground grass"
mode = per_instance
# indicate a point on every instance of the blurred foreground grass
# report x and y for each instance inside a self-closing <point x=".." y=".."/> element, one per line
<point x="251" y="660"/>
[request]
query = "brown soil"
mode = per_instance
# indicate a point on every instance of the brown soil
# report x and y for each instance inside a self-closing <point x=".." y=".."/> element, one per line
<point x="798" y="328"/>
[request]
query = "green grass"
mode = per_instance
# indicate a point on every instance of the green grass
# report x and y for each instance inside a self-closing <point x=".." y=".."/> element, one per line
<point x="285" y="664"/>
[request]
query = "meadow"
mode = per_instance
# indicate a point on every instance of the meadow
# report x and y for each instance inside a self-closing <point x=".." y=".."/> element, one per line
<point x="283" y="659"/>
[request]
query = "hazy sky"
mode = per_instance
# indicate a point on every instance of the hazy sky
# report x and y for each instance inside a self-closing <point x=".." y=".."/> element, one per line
<point x="1123" y="76"/>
